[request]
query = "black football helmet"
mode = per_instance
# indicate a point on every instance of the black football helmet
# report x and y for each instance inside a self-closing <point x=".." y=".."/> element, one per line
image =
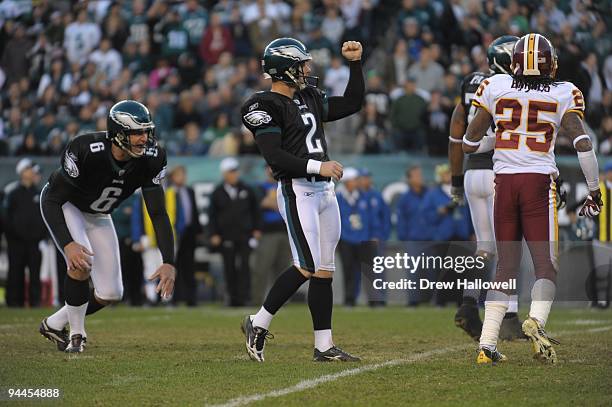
<point x="499" y="54"/>
<point x="126" y="118"/>
<point x="284" y="60"/>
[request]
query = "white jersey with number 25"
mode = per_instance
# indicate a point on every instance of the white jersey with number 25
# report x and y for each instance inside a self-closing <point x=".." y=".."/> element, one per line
<point x="527" y="122"/>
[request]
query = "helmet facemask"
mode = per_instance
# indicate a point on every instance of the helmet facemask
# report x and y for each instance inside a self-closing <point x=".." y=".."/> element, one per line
<point x="122" y="140"/>
<point x="299" y="78"/>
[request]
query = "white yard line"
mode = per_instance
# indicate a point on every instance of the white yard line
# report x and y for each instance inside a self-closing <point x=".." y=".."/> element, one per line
<point x="417" y="357"/>
<point x="310" y="383"/>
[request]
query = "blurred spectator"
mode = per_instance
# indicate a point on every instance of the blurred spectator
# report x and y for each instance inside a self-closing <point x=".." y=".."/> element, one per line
<point x="108" y="60"/>
<point x="410" y="224"/>
<point x="138" y="25"/>
<point x="446" y="220"/>
<point x="192" y="142"/>
<point x="372" y="133"/>
<point x="14" y="58"/>
<point x="273" y="252"/>
<point x="80" y="38"/>
<point x="235" y="226"/>
<point x="260" y="18"/>
<point x="321" y="49"/>
<point x="407" y="119"/>
<point x="185" y="112"/>
<point x="115" y="27"/>
<point x="358" y="226"/>
<point x="194" y="18"/>
<point x="428" y="73"/>
<point x="24" y="230"/>
<point x="336" y="77"/>
<point x="185" y="287"/>
<point x="217" y="39"/>
<point x="144" y="241"/>
<point x="437" y="124"/>
<point x="30" y="146"/>
<point x="332" y="25"/>
<point x="175" y="36"/>
<point x="131" y="260"/>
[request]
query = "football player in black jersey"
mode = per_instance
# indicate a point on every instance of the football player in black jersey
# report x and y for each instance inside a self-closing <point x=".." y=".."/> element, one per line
<point x="478" y="186"/>
<point x="98" y="171"/>
<point x="287" y="123"/>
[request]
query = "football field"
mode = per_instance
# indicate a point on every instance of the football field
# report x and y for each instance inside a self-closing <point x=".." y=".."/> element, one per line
<point x="183" y="356"/>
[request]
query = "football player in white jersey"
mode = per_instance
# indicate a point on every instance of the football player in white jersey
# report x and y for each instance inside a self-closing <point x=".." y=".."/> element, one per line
<point x="528" y="109"/>
<point x="479" y="186"/>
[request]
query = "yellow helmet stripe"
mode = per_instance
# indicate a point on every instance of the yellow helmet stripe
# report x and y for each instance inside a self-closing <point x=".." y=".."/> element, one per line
<point x="531" y="51"/>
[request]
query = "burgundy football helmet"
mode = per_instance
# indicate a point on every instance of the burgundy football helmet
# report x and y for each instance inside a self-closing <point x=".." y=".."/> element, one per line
<point x="534" y="56"/>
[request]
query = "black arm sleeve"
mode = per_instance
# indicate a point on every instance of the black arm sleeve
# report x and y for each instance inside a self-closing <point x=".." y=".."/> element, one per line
<point x="52" y="199"/>
<point x="156" y="207"/>
<point x="270" y="146"/>
<point x="351" y="102"/>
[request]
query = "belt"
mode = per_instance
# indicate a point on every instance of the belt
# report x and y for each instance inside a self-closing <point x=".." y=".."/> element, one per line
<point x="309" y="178"/>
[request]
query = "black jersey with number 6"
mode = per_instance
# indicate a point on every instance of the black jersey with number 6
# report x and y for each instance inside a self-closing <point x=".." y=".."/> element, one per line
<point x="299" y="121"/>
<point x="93" y="181"/>
<point x="469" y="86"/>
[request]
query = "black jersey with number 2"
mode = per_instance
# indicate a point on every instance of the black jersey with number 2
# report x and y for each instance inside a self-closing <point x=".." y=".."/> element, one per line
<point x="469" y="86"/>
<point x="299" y="121"/>
<point x="93" y="181"/>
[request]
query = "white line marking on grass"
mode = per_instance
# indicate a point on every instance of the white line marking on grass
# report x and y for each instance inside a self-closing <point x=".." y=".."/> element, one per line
<point x="310" y="383"/>
<point x="417" y="357"/>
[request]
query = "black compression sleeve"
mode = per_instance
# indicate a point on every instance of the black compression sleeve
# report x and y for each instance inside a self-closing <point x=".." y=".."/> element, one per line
<point x="270" y="147"/>
<point x="351" y="102"/>
<point x="51" y="203"/>
<point x="156" y="207"/>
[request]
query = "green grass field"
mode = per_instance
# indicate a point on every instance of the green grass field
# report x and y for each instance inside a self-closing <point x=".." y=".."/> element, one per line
<point x="196" y="357"/>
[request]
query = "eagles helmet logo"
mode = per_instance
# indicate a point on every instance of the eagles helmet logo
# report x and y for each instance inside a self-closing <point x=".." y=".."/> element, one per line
<point x="257" y="118"/>
<point x="70" y="165"/>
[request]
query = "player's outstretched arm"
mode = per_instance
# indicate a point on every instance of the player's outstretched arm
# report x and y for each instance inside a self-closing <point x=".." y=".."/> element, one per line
<point x="352" y="100"/>
<point x="476" y="130"/>
<point x="572" y="126"/>
<point x="455" y="152"/>
<point x="156" y="207"/>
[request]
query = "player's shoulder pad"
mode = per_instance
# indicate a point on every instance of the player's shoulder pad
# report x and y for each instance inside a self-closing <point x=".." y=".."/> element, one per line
<point x="259" y="110"/>
<point x="157" y="163"/>
<point x="476" y="76"/>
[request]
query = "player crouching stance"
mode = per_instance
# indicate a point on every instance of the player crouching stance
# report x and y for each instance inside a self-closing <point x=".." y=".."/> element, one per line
<point x="528" y="109"/>
<point x="98" y="171"/>
<point x="287" y="123"/>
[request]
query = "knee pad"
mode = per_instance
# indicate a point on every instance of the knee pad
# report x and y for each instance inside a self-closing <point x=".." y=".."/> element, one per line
<point x="109" y="297"/>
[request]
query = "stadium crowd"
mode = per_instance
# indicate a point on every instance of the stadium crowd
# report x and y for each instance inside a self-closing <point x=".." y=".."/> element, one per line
<point x="64" y="63"/>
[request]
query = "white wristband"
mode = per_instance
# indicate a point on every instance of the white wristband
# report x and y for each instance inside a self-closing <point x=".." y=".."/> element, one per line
<point x="590" y="169"/>
<point x="455" y="140"/>
<point x="469" y="142"/>
<point x="577" y="139"/>
<point x="313" y="167"/>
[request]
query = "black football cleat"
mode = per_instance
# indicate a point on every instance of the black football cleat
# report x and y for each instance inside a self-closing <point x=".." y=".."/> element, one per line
<point x="468" y="319"/>
<point x="76" y="344"/>
<point x="511" y="329"/>
<point x="59" y="337"/>
<point x="256" y="338"/>
<point x="334" y="354"/>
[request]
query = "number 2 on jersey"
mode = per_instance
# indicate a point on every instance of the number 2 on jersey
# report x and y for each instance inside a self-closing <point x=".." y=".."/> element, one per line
<point x="313" y="145"/>
<point x="511" y="141"/>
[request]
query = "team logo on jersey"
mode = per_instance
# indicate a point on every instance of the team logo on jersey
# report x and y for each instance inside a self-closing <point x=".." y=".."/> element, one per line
<point x="257" y="118"/>
<point x="158" y="178"/>
<point x="70" y="165"/>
